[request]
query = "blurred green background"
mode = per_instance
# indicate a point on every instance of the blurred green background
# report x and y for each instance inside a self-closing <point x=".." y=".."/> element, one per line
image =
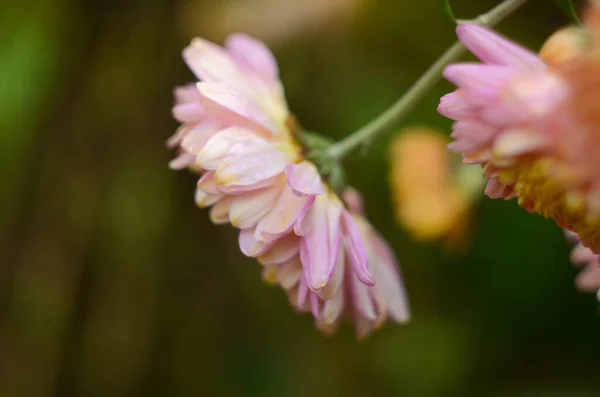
<point x="112" y="282"/>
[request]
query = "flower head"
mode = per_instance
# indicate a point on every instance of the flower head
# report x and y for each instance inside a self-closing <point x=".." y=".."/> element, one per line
<point x="237" y="131"/>
<point x="534" y="123"/>
<point x="433" y="196"/>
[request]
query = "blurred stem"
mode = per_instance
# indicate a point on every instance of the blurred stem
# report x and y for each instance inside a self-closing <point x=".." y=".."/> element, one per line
<point x="411" y="97"/>
<point x="570" y="10"/>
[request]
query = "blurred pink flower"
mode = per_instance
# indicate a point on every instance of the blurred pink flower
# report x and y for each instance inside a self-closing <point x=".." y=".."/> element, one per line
<point x="533" y="123"/>
<point x="499" y="105"/>
<point x="237" y="131"/>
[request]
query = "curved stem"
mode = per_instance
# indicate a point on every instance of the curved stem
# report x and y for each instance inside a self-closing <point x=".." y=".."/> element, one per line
<point x="407" y="101"/>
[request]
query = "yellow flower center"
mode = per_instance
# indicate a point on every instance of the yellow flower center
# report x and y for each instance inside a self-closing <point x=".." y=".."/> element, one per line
<point x="539" y="190"/>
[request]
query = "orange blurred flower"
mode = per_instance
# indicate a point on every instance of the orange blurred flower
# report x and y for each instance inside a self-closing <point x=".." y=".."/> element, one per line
<point x="431" y="192"/>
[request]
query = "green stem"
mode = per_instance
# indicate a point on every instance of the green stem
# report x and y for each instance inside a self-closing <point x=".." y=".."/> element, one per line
<point x="407" y="101"/>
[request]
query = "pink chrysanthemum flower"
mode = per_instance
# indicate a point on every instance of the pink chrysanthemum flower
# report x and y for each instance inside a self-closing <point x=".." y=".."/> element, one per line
<point x="237" y="131"/>
<point x="533" y="123"/>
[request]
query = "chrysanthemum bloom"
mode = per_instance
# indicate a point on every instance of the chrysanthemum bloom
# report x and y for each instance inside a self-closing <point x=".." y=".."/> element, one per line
<point x="532" y="123"/>
<point x="237" y="131"/>
<point x="433" y="196"/>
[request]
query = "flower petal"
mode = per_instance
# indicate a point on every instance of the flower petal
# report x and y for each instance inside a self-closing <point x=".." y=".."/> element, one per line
<point x="301" y="301"/>
<point x="518" y="142"/>
<point x="319" y="248"/>
<point x="333" y="308"/>
<point x="220" y="144"/>
<point x="389" y="280"/>
<point x="181" y="161"/>
<point x="357" y="251"/>
<point x="480" y="82"/>
<point x="361" y="296"/>
<point x="219" y="213"/>
<point x="203" y="199"/>
<point x="211" y="63"/>
<point x="249" y="208"/>
<point x="454" y="107"/>
<point x="197" y="136"/>
<point x="207" y="184"/>
<point x="534" y="95"/>
<point x="283" y="216"/>
<point x="493" y="48"/>
<point x="254" y="54"/>
<point x="233" y="107"/>
<point x="290" y="273"/>
<point x="241" y="189"/>
<point x="354" y="201"/>
<point x="188" y="113"/>
<point x="249" y="245"/>
<point x="337" y="277"/>
<point x="304" y="179"/>
<point x="269" y="274"/>
<point x="282" y="251"/>
<point x="251" y="167"/>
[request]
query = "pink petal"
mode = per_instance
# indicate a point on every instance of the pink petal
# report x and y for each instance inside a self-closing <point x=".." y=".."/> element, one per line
<point x="283" y="215"/>
<point x="176" y="138"/>
<point x="389" y="280"/>
<point x="233" y="107"/>
<point x="454" y="107"/>
<point x="499" y="115"/>
<point x="188" y="113"/>
<point x="197" y="136"/>
<point x="304" y="179"/>
<point x="582" y="255"/>
<point x="319" y="248"/>
<point x="302" y="296"/>
<point x="535" y="94"/>
<point x="494" y="189"/>
<point x="219" y="213"/>
<point x="474" y="131"/>
<point x="316" y="306"/>
<point x="249" y="245"/>
<point x="269" y="274"/>
<point x="480" y="82"/>
<point x="353" y="201"/>
<point x="203" y="199"/>
<point x="333" y="308"/>
<point x="589" y="278"/>
<point x="337" y="277"/>
<point x="254" y="54"/>
<point x="361" y="298"/>
<point x="518" y="142"/>
<point x="290" y="273"/>
<point x="210" y="62"/>
<point x="242" y="189"/>
<point x="357" y="250"/>
<point x="249" y="208"/>
<point x="207" y="184"/>
<point x="251" y="167"/>
<point x="181" y="161"/>
<point x="282" y="251"/>
<point x="493" y="48"/>
<point x="220" y="144"/>
<point x="187" y="93"/>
